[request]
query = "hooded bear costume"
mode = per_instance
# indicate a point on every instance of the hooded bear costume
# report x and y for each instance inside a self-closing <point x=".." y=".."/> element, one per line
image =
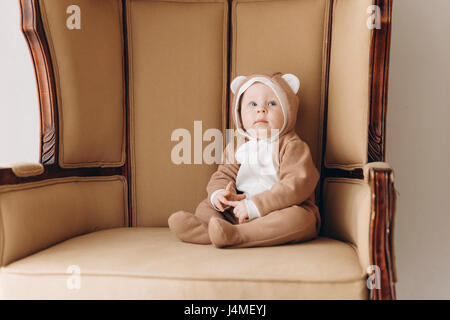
<point x="279" y="194"/>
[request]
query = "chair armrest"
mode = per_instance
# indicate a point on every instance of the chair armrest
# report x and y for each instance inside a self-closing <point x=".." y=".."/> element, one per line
<point x="24" y="169"/>
<point x="361" y="212"/>
<point x="380" y="177"/>
<point x="38" y="214"/>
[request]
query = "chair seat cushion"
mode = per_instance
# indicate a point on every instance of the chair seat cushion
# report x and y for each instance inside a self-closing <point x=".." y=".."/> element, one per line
<point x="151" y="263"/>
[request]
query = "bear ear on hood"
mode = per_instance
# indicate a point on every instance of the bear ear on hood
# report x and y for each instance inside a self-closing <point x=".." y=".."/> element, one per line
<point x="292" y="81"/>
<point x="236" y="82"/>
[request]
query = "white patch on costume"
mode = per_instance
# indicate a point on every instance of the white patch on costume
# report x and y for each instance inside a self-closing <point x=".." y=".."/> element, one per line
<point x="257" y="172"/>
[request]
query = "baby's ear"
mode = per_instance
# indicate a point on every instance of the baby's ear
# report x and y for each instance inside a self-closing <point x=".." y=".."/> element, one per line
<point x="236" y="82"/>
<point x="292" y="81"/>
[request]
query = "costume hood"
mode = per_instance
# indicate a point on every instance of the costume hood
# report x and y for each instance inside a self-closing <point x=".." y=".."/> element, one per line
<point x="285" y="87"/>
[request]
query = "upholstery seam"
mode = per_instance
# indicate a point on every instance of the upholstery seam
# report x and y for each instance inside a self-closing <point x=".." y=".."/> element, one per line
<point x="225" y="45"/>
<point x="343" y="166"/>
<point x="37" y="274"/>
<point x="125" y="198"/>
<point x="124" y="87"/>
<point x="55" y="181"/>
<point x="233" y="59"/>
<point x="134" y="214"/>
<point x="345" y="180"/>
<point x="189" y="1"/>
<point x="324" y="84"/>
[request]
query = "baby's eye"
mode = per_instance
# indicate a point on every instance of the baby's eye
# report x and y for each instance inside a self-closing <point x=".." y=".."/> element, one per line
<point x="253" y="104"/>
<point x="273" y="103"/>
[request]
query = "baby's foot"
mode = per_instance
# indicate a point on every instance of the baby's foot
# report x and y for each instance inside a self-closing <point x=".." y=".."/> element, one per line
<point x="189" y="228"/>
<point x="222" y="233"/>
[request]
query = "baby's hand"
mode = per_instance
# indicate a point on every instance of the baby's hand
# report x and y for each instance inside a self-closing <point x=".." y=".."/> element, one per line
<point x="240" y="210"/>
<point x="222" y="198"/>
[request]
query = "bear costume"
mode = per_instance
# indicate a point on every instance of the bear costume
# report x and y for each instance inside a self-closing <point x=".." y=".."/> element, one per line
<point x="279" y="190"/>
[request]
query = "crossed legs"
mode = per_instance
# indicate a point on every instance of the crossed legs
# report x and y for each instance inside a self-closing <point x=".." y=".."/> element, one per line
<point x="193" y="228"/>
<point x="289" y="225"/>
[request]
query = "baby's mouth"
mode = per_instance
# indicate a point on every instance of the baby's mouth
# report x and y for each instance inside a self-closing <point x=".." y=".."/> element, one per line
<point x="261" y="121"/>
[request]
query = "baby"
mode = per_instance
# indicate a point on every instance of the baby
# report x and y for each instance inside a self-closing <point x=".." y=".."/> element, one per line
<point x="262" y="194"/>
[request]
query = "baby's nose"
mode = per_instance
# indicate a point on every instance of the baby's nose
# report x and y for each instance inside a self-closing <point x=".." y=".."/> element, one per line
<point x="261" y="109"/>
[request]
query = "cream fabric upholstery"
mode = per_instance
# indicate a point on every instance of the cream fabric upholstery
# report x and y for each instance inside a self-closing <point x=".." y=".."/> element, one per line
<point x="88" y="65"/>
<point x="348" y="95"/>
<point x="346" y="214"/>
<point x="36" y="215"/>
<point x="150" y="263"/>
<point x="178" y="72"/>
<point x="290" y="37"/>
<point x="347" y="209"/>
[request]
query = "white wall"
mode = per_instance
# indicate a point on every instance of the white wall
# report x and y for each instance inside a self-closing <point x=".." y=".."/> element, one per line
<point x="418" y="145"/>
<point x="19" y="111"/>
<point x="418" y="137"/>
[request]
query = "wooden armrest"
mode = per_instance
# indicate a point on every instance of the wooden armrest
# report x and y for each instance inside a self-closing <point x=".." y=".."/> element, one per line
<point x="380" y="177"/>
<point x="24" y="169"/>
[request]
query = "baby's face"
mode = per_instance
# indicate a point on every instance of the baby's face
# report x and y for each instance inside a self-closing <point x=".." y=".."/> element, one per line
<point x="261" y="110"/>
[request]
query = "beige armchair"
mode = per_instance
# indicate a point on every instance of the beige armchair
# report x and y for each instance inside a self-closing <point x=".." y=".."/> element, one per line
<point x="117" y="77"/>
